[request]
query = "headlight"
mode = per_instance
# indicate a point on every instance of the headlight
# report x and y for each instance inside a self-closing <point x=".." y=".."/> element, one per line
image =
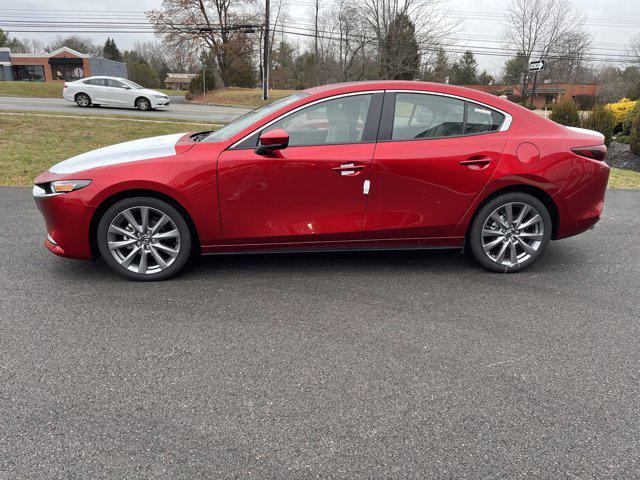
<point x="163" y="97"/>
<point x="58" y="187"/>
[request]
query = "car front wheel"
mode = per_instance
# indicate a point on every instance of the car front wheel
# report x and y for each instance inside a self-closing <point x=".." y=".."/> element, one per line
<point x="510" y="232"/>
<point x="143" y="104"/>
<point x="144" y="238"/>
<point x="83" y="100"/>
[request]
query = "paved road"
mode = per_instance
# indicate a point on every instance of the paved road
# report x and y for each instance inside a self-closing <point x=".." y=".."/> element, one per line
<point x="347" y="365"/>
<point x="178" y="110"/>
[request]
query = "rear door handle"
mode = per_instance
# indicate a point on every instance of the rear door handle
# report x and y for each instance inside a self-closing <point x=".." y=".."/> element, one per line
<point x="348" y="168"/>
<point x="476" y="163"/>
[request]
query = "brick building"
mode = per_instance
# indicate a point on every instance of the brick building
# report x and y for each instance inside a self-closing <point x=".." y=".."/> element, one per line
<point x="546" y="93"/>
<point x="61" y="65"/>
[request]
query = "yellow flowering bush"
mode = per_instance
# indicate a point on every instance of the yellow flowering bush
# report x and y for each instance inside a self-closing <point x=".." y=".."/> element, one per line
<point x="621" y="109"/>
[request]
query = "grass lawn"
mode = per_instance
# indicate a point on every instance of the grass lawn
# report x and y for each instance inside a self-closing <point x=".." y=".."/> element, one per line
<point x="31" y="143"/>
<point x="244" y="97"/>
<point x="49" y="90"/>
<point x="622" y="178"/>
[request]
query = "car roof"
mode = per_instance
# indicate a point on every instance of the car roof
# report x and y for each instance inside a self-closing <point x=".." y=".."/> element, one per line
<point x="442" y="88"/>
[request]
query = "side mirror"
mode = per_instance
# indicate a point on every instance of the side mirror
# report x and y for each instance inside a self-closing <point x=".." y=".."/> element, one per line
<point x="271" y="141"/>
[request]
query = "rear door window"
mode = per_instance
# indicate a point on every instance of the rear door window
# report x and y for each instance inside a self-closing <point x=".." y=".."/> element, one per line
<point x="418" y="115"/>
<point x="481" y="119"/>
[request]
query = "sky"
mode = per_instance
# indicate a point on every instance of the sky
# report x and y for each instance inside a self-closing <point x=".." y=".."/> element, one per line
<point x="611" y="22"/>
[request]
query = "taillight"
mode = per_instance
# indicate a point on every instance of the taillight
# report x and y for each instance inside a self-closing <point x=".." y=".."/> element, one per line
<point x="65" y="85"/>
<point x="595" y="152"/>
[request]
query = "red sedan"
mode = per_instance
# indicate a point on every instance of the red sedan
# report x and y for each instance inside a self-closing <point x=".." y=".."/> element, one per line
<point x="366" y="165"/>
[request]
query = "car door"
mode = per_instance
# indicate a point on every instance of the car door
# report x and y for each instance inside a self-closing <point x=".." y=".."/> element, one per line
<point x="313" y="190"/>
<point x="434" y="156"/>
<point x="91" y="87"/>
<point x="118" y="93"/>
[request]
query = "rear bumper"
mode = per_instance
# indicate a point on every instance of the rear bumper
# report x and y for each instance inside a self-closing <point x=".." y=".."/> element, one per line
<point x="581" y="209"/>
<point x="67" y="220"/>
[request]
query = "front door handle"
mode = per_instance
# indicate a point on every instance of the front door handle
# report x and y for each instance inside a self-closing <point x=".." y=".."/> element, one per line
<point x="476" y="163"/>
<point x="348" y="168"/>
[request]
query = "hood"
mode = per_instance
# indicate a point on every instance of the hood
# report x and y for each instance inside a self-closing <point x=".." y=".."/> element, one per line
<point x="134" y="151"/>
<point x="148" y="91"/>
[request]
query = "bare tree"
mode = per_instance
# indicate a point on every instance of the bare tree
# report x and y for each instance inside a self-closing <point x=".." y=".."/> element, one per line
<point x="430" y="18"/>
<point x="568" y="60"/>
<point x="210" y="24"/>
<point x="538" y="27"/>
<point x="633" y="51"/>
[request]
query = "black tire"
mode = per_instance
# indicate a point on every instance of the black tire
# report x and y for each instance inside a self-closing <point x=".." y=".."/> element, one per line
<point x="143" y="104"/>
<point x="83" y="100"/>
<point x="482" y="216"/>
<point x="158" y="207"/>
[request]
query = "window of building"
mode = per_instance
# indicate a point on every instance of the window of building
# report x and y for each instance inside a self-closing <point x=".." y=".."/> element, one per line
<point x="28" y="73"/>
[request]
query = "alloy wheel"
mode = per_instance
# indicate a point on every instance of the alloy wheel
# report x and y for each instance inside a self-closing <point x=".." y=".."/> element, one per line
<point x="83" y="100"/>
<point x="512" y="233"/>
<point x="143" y="240"/>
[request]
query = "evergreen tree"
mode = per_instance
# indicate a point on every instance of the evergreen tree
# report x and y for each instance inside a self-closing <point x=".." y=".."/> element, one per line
<point x="485" y="78"/>
<point x="440" y="72"/>
<point x="514" y="68"/>
<point x="466" y="71"/>
<point x="399" y="51"/>
<point x="110" y="50"/>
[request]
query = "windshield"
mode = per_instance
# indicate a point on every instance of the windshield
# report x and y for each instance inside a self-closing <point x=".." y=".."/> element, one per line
<point x="131" y="84"/>
<point x="251" y="117"/>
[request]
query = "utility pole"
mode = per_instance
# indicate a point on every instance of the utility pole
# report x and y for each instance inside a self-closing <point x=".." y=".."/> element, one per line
<point x="265" y="68"/>
<point x="316" y="43"/>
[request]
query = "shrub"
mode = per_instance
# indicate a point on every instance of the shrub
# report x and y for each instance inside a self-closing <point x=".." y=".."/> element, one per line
<point x="585" y="102"/>
<point x="626" y="125"/>
<point x="634" y="138"/>
<point x="620" y="111"/>
<point x="623" y="139"/>
<point x="195" y="86"/>
<point x="565" y="112"/>
<point x="601" y="120"/>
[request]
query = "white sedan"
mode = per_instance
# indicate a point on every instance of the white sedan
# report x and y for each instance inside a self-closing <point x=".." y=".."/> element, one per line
<point x="113" y="92"/>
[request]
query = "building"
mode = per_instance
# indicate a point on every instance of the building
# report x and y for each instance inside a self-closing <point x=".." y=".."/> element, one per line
<point x="61" y="65"/>
<point x="179" y="81"/>
<point x="546" y="93"/>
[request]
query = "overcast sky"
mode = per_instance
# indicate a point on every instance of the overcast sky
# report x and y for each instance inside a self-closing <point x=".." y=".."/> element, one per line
<point x="604" y="13"/>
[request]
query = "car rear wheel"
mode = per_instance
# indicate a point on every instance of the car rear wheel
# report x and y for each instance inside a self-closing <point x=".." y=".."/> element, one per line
<point x="83" y="100"/>
<point x="510" y="232"/>
<point x="144" y="239"/>
<point x="143" y="104"/>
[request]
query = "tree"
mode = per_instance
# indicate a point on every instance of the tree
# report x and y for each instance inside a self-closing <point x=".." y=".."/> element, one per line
<point x="283" y="63"/>
<point x="399" y="52"/>
<point x="142" y="73"/>
<point x="429" y="22"/>
<point x="485" y="78"/>
<point x="466" y="69"/>
<point x="514" y="69"/>
<point x="75" y="42"/>
<point x="211" y="25"/>
<point x="538" y="27"/>
<point x="440" y="71"/>
<point x="110" y="50"/>
<point x="633" y="50"/>
<point x="15" y="45"/>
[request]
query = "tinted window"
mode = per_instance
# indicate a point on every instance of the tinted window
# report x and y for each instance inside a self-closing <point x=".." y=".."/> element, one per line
<point x="426" y="116"/>
<point x="96" y="81"/>
<point x="481" y="119"/>
<point x="335" y="121"/>
<point x="114" y="83"/>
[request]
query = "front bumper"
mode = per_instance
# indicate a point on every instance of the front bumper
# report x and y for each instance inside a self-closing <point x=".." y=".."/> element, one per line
<point x="160" y="103"/>
<point x="67" y="220"/>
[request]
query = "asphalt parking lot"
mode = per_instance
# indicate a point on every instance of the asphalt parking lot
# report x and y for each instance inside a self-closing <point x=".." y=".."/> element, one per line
<point x="349" y="365"/>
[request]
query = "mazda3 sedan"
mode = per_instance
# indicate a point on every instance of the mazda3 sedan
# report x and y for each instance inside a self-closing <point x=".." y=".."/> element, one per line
<point x="367" y="165"/>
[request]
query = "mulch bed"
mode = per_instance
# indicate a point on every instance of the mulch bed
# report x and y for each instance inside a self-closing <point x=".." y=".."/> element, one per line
<point x="619" y="155"/>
